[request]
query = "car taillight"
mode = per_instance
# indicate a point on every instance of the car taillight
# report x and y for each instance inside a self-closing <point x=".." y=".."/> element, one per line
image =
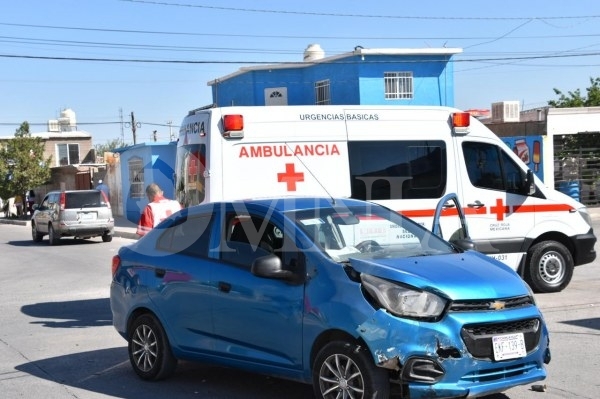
<point x="116" y="262"/>
<point x="63" y="201"/>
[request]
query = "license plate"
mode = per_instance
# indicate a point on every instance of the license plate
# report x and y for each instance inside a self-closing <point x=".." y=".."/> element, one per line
<point x="87" y="216"/>
<point x="509" y="346"/>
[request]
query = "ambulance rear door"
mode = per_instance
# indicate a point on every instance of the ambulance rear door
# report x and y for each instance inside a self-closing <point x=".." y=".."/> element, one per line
<point x="283" y="151"/>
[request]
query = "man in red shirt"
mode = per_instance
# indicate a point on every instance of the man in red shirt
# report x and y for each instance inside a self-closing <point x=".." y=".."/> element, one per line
<point x="158" y="209"/>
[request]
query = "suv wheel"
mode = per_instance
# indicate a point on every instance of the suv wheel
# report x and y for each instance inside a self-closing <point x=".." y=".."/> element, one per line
<point x="53" y="238"/>
<point x="149" y="350"/>
<point x="106" y="237"/>
<point x="37" y="237"/>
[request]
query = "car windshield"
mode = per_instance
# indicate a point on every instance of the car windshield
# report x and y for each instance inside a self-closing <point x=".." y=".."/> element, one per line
<point x="368" y="232"/>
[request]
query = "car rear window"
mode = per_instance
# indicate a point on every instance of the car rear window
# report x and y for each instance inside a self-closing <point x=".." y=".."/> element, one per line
<point x="88" y="199"/>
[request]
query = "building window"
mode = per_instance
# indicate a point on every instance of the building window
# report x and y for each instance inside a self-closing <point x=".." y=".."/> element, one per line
<point x="322" y="94"/>
<point x="67" y="154"/>
<point x="398" y="85"/>
<point x="136" y="178"/>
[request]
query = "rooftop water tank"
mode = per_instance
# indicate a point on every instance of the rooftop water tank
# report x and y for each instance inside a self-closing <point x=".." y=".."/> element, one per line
<point x="313" y="52"/>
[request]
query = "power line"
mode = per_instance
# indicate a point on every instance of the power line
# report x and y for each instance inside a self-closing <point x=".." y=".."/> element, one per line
<point x="265" y="62"/>
<point x="300" y="37"/>
<point x="342" y="15"/>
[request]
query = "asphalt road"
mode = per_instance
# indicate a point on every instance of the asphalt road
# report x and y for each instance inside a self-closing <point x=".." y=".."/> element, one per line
<point x="57" y="340"/>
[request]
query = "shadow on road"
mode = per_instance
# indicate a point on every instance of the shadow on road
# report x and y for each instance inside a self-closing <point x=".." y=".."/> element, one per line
<point x="108" y="372"/>
<point x="587" y="323"/>
<point x="71" y="314"/>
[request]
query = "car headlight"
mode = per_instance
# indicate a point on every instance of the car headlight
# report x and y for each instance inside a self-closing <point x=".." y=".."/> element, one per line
<point x="402" y="300"/>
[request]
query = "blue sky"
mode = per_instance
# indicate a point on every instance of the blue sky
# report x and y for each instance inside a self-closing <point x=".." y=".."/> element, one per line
<point x="512" y="50"/>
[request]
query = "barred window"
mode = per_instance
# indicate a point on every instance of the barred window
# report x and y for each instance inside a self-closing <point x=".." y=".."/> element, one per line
<point x="322" y="94"/>
<point x="398" y="85"/>
<point x="136" y="178"/>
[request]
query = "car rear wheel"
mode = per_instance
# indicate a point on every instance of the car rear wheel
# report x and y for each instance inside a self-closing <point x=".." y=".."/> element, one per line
<point x="550" y="267"/>
<point x="149" y="350"/>
<point x="344" y="370"/>
<point x="53" y="238"/>
<point x="37" y="237"/>
<point x="107" y="238"/>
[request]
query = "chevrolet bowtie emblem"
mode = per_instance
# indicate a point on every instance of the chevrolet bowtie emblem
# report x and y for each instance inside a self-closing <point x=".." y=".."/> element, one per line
<point x="497" y="305"/>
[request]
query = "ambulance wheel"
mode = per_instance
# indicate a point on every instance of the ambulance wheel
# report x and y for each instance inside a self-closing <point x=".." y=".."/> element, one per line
<point x="550" y="267"/>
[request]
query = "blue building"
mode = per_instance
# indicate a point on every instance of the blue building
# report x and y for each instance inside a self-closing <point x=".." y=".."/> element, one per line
<point x="384" y="76"/>
<point x="142" y="164"/>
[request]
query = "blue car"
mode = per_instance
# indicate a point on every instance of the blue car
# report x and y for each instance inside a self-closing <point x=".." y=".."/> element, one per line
<point x="345" y="295"/>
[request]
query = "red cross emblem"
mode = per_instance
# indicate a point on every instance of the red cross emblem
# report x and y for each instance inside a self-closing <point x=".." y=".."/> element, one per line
<point x="500" y="209"/>
<point x="290" y="177"/>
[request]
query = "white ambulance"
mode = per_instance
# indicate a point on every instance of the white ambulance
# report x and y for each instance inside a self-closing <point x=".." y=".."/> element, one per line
<point x="405" y="157"/>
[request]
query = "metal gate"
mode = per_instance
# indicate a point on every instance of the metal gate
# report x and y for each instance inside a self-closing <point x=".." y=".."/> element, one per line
<point x="577" y="166"/>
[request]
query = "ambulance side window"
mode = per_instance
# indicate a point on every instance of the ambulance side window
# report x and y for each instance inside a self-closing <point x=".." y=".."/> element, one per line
<point x="381" y="170"/>
<point x="491" y="168"/>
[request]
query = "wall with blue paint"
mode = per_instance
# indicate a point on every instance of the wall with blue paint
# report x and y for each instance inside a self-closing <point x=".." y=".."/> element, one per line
<point x="531" y="151"/>
<point x="158" y="160"/>
<point x="353" y="81"/>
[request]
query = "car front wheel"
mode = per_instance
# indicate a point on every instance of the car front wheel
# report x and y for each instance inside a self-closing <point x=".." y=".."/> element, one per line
<point x="107" y="238"/>
<point x="344" y="370"/>
<point x="550" y="267"/>
<point x="149" y="350"/>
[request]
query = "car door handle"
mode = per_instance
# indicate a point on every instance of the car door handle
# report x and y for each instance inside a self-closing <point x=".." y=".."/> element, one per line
<point x="160" y="273"/>
<point x="225" y="287"/>
<point x="476" y="204"/>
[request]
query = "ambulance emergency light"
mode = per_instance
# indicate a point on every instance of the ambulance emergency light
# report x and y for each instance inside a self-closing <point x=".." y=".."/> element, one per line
<point x="233" y="126"/>
<point x="461" y="122"/>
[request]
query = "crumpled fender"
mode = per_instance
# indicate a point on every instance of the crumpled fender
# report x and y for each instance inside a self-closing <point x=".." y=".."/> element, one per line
<point x="393" y="340"/>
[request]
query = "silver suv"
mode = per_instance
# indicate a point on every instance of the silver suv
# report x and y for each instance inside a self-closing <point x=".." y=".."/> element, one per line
<point x="77" y="213"/>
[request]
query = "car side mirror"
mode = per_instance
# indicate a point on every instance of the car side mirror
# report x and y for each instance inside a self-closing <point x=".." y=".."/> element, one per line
<point x="463" y="243"/>
<point x="270" y="266"/>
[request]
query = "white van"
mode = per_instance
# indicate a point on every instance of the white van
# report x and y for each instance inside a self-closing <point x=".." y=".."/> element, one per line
<point x="405" y="157"/>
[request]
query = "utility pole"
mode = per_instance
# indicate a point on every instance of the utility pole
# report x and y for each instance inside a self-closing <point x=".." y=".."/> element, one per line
<point x="170" y="123"/>
<point x="122" y="133"/>
<point x="133" y="128"/>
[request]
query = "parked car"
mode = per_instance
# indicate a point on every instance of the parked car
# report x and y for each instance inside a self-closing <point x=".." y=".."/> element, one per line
<point x="344" y="294"/>
<point x="75" y="213"/>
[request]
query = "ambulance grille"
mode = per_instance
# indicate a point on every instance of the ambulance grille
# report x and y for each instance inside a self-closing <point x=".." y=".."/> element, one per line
<point x="491" y="304"/>
<point x="478" y="337"/>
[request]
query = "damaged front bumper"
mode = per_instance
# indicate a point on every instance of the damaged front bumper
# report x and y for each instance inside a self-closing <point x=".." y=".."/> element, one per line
<point x="454" y="356"/>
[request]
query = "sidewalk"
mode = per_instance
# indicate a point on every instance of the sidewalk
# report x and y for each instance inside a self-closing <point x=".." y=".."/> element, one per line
<point x="123" y="227"/>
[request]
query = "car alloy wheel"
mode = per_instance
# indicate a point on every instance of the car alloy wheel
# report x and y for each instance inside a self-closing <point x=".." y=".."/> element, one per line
<point x="344" y="370"/>
<point x="149" y="349"/>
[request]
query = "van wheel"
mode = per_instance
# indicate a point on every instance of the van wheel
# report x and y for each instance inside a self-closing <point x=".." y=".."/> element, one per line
<point x="106" y="237"/>
<point x="37" y="237"/>
<point x="53" y="238"/>
<point x="149" y="350"/>
<point x="344" y="370"/>
<point x="550" y="267"/>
